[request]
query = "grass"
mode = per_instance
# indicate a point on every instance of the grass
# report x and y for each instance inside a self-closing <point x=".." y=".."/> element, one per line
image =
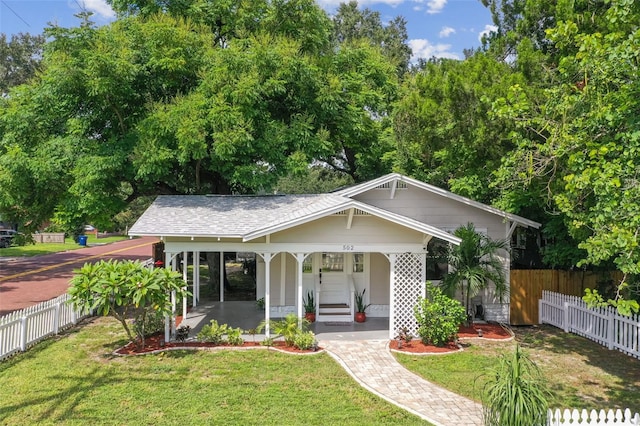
<point x="579" y="372"/>
<point x="47" y="248"/>
<point x="74" y="380"/>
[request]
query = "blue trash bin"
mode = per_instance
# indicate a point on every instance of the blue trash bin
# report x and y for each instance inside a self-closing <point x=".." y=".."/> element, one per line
<point x="82" y="240"/>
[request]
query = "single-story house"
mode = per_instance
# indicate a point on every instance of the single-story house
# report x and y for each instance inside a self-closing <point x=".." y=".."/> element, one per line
<point x="374" y="236"/>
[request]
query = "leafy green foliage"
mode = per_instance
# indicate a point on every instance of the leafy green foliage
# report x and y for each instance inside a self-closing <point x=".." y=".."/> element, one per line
<point x="359" y="298"/>
<point x="213" y="332"/>
<point x="304" y="340"/>
<point x="580" y="141"/>
<point x="475" y="264"/>
<point x="19" y="59"/>
<point x="443" y="127"/>
<point x="288" y="327"/>
<point x="117" y="288"/>
<point x="517" y="395"/>
<point x="438" y="316"/>
<point x="148" y="322"/>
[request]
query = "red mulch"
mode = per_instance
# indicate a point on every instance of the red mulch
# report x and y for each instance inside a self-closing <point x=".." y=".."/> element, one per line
<point x="155" y="343"/>
<point x="489" y="331"/>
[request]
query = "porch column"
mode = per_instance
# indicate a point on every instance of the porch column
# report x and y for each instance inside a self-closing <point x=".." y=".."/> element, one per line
<point x="185" y="278"/>
<point x="392" y="293"/>
<point x="267" y="284"/>
<point x="222" y="276"/>
<point x="299" y="261"/>
<point x="167" y="318"/>
<point x="196" y="278"/>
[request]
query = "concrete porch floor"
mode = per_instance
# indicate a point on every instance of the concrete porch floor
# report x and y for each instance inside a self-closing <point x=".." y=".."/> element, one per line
<point x="246" y="315"/>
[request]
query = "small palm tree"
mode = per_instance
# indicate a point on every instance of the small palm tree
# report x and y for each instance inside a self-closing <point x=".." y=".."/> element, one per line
<point x="474" y="265"/>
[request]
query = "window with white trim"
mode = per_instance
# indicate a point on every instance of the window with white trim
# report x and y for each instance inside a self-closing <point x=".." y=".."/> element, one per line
<point x="332" y="262"/>
<point x="358" y="262"/>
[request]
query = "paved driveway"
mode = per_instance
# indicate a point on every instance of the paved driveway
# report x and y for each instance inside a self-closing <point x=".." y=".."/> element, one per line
<point x="28" y="281"/>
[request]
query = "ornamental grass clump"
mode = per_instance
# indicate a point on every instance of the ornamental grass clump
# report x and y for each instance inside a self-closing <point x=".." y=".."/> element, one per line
<point x="517" y="395"/>
<point x="438" y="316"/>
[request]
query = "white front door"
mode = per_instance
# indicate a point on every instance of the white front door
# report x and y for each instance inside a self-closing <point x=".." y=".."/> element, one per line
<point x="333" y="281"/>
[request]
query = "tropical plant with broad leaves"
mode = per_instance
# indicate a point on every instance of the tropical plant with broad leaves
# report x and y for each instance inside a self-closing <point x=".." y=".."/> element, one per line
<point x="121" y="288"/>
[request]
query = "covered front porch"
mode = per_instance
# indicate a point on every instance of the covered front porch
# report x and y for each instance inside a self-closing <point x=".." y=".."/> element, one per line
<point x="247" y="315"/>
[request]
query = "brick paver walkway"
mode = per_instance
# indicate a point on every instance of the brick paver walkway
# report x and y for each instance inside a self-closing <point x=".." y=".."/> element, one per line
<point x="375" y="368"/>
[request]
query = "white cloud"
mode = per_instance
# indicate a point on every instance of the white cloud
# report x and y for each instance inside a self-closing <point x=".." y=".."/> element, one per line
<point x="487" y="29"/>
<point x="422" y="48"/>
<point x="99" y="7"/>
<point x="436" y="6"/>
<point x="446" y="32"/>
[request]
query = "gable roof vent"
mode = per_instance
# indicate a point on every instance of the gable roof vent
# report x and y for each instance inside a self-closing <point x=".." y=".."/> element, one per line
<point x="387" y="185"/>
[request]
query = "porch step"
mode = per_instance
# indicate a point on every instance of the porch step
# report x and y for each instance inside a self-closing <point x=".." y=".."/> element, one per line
<point x="334" y="318"/>
<point x="334" y="309"/>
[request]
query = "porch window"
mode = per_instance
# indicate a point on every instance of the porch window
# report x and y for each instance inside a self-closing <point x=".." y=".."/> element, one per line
<point x="358" y="262"/>
<point x="332" y="262"/>
<point x="307" y="264"/>
<point x="436" y="259"/>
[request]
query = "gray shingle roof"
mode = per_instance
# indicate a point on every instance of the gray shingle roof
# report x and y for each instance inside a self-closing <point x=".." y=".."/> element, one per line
<point x="228" y="215"/>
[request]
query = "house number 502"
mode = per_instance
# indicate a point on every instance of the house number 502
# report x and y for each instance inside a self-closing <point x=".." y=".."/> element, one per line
<point x="347" y="247"/>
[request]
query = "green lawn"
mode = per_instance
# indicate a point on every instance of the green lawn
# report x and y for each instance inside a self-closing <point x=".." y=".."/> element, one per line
<point x="579" y="372"/>
<point x="46" y="248"/>
<point x="74" y="380"/>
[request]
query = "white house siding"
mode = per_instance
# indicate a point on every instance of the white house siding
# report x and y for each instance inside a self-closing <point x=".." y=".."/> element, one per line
<point x="364" y="230"/>
<point x="433" y="209"/>
<point x="447" y="214"/>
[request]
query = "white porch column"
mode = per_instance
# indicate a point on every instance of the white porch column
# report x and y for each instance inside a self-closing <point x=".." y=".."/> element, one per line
<point x="196" y="278"/>
<point x="222" y="276"/>
<point x="267" y="296"/>
<point x="185" y="278"/>
<point x="392" y="293"/>
<point x="299" y="261"/>
<point x="167" y="318"/>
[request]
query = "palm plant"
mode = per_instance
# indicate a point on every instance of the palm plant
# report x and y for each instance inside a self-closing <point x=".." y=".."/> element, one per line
<point x="474" y="264"/>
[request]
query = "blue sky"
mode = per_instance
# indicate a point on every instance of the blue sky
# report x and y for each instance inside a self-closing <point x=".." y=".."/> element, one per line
<point x="441" y="28"/>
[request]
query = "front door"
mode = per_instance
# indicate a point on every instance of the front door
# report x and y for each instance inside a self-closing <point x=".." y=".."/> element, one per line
<point x="334" y="288"/>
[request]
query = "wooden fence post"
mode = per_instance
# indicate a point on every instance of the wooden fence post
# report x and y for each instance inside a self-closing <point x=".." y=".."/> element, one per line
<point x="565" y="317"/>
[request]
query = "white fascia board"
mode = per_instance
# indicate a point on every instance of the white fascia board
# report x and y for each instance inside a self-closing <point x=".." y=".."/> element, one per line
<point x="181" y="235"/>
<point x="212" y="246"/>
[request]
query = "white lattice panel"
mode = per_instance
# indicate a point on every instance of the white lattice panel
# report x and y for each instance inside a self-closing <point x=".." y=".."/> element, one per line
<point x="408" y="286"/>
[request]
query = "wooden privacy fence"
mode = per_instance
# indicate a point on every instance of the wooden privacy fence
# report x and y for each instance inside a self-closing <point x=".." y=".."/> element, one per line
<point x="593" y="418"/>
<point x="603" y="325"/>
<point x="527" y="286"/>
<point x="21" y="329"/>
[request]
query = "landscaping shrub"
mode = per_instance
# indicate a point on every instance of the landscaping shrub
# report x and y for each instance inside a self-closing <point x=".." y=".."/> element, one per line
<point x="438" y="316"/>
<point x="304" y="340"/>
<point x="234" y="336"/>
<point x="213" y="332"/>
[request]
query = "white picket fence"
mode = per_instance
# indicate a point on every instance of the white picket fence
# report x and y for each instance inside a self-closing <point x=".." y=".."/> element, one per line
<point x="593" y="418"/>
<point x="603" y="325"/>
<point x="21" y="329"/>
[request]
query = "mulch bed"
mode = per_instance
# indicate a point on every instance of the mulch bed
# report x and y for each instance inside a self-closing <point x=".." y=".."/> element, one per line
<point x="489" y="331"/>
<point x="156" y="343"/>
